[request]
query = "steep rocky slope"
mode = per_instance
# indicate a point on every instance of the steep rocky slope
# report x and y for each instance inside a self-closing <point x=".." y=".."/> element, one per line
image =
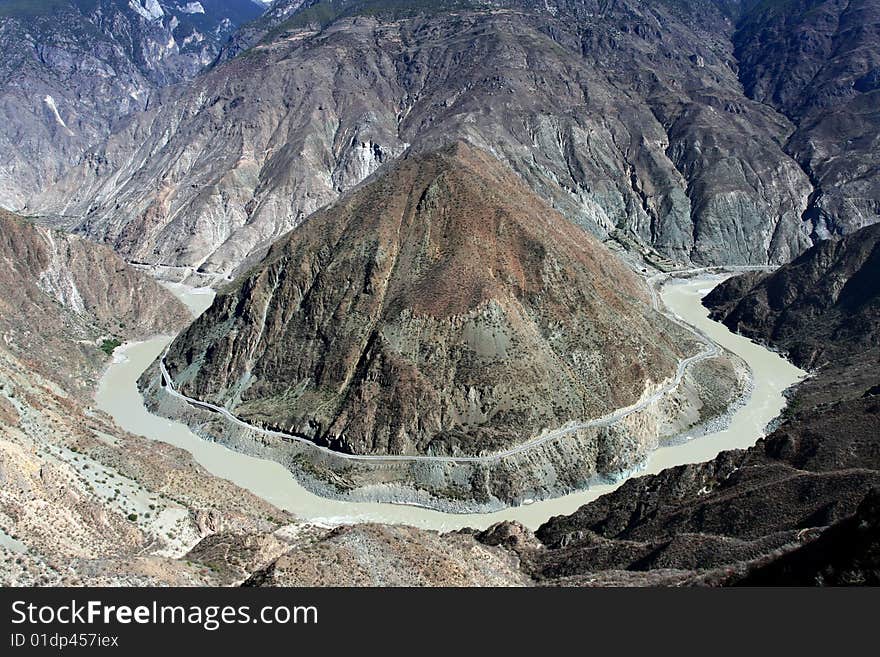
<point x="795" y="509"/>
<point x="823" y="306"/>
<point x="64" y="298"/>
<point x="818" y="62"/>
<point x="71" y="68"/>
<point x="715" y="132"/>
<point x="799" y="508"/>
<point x="739" y="508"/>
<point x="759" y="515"/>
<point x="729" y="520"/>
<point x="442" y="308"/>
<point x="84" y="503"/>
<point x="625" y="116"/>
<point x="81" y="501"/>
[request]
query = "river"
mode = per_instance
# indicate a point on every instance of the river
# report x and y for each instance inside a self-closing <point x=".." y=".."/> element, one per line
<point x="118" y="396"/>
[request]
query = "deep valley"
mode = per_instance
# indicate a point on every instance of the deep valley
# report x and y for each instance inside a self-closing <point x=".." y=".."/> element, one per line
<point x="454" y="293"/>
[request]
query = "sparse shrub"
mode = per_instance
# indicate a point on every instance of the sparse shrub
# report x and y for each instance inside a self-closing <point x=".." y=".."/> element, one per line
<point x="109" y="345"/>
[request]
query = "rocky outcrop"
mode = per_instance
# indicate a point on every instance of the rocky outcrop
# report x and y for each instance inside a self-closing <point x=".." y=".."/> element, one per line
<point x="442" y="308"/>
<point x="382" y="555"/>
<point x="624" y="117"/>
<point x="823" y="306"/>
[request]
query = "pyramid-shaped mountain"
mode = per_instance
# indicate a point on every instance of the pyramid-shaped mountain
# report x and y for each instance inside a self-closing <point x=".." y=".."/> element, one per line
<point x="440" y="308"/>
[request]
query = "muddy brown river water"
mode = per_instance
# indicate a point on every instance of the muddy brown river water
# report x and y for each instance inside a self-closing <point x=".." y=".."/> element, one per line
<point x="118" y="395"/>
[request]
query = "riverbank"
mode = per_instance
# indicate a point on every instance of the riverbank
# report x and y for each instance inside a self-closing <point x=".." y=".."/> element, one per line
<point x="579" y="455"/>
<point x="570" y="459"/>
<point x="119" y="396"/>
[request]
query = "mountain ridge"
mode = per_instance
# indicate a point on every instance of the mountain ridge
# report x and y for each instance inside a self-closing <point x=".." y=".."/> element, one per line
<point x="823" y="306"/>
<point x="631" y="121"/>
<point x="73" y="68"/>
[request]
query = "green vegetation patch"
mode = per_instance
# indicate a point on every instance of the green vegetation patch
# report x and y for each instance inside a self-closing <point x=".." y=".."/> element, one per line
<point x="109" y="345"/>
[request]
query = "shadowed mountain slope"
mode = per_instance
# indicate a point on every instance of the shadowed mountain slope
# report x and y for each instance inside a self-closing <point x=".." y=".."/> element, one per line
<point x="823" y="306"/>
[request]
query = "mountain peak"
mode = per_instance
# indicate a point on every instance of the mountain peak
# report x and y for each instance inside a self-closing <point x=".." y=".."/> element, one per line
<point x="442" y="306"/>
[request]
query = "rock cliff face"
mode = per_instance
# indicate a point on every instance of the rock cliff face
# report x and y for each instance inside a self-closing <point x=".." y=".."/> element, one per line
<point x="441" y="308"/>
<point x="71" y="68"/>
<point x="64" y="296"/>
<point x="823" y="306"/>
<point x="626" y="117"/>
<point x="818" y="62"/>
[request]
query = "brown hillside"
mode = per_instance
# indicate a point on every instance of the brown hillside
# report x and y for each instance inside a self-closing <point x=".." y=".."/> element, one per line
<point x="441" y="307"/>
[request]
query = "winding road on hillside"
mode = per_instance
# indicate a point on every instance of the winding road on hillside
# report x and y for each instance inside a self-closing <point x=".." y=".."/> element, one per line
<point x="710" y="350"/>
<point x="119" y="396"/>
